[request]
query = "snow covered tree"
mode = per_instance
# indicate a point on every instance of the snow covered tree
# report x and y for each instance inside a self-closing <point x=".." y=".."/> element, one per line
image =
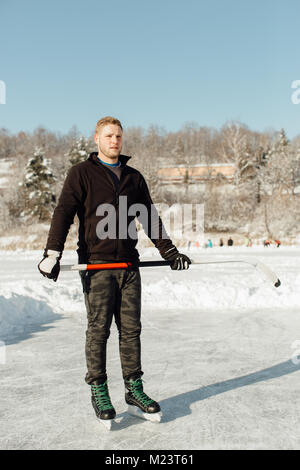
<point x="277" y="181"/>
<point x="178" y="150"/>
<point x="79" y="151"/>
<point x="296" y="172"/>
<point x="277" y="174"/>
<point x="148" y="161"/>
<point x="37" y="187"/>
<point x="233" y="140"/>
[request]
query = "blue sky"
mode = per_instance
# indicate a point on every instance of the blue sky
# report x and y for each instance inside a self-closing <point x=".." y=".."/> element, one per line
<point x="163" y="62"/>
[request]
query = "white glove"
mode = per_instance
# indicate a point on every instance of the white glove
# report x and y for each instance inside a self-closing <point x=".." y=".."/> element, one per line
<point x="49" y="266"/>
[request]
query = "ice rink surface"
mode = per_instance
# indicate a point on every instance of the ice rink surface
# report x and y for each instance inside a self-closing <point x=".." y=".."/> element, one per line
<point x="220" y="352"/>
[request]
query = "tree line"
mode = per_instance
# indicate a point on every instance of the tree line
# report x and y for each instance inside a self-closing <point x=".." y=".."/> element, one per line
<point x="265" y="191"/>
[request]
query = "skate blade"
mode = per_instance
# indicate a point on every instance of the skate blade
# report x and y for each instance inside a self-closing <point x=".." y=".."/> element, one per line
<point x="153" y="417"/>
<point x="107" y="423"/>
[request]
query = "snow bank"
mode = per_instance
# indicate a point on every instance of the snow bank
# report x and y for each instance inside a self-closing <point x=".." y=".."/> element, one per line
<point x="221" y="295"/>
<point x="19" y="311"/>
<point x="26" y="297"/>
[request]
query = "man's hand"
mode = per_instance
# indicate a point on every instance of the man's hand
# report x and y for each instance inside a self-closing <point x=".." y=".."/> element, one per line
<point x="178" y="260"/>
<point x="181" y="262"/>
<point x="49" y="266"/>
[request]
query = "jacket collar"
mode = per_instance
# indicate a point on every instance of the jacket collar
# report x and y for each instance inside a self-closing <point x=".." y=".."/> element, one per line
<point x="94" y="158"/>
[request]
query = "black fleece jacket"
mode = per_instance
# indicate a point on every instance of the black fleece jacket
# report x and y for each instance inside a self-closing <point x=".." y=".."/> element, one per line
<point x="88" y="185"/>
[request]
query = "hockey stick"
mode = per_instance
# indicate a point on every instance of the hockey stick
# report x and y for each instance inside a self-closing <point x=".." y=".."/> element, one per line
<point x="92" y="267"/>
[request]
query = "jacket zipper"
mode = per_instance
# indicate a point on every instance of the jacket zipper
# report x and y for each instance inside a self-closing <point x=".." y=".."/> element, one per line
<point x="117" y="193"/>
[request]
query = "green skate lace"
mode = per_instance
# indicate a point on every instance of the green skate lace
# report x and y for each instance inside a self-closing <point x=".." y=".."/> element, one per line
<point x="138" y="393"/>
<point x="100" y="392"/>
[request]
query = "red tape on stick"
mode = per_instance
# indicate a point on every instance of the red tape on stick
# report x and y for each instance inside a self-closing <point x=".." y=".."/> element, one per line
<point x="92" y="267"/>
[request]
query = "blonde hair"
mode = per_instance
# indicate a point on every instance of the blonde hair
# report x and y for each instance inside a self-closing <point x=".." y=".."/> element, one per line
<point x="107" y="120"/>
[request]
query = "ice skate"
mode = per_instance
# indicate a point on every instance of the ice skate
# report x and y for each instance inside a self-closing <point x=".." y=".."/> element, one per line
<point x="136" y="411"/>
<point x="139" y="404"/>
<point x="102" y="405"/>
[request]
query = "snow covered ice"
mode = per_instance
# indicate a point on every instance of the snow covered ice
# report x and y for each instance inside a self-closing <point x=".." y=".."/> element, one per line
<point x="219" y="350"/>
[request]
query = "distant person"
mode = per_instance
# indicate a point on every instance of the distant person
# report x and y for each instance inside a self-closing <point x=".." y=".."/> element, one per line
<point x="221" y="243"/>
<point x="248" y="242"/>
<point x="209" y="243"/>
<point x="267" y="243"/>
<point x="197" y="245"/>
<point x="230" y="242"/>
<point x="278" y="243"/>
<point x="189" y="245"/>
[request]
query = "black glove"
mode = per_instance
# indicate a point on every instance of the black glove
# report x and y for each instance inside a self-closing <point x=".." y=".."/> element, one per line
<point x="49" y="266"/>
<point x="178" y="260"/>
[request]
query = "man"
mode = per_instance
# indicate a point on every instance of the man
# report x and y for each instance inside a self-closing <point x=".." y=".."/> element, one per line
<point x="91" y="189"/>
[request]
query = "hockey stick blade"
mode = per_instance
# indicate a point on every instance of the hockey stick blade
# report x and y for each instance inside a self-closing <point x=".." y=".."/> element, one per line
<point x="267" y="271"/>
<point x="253" y="262"/>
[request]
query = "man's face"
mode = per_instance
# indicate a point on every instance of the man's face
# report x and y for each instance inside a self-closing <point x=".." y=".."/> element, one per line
<point x="109" y="141"/>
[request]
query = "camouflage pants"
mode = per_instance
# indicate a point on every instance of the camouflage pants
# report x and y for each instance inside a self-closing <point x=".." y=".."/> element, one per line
<point x="108" y="293"/>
